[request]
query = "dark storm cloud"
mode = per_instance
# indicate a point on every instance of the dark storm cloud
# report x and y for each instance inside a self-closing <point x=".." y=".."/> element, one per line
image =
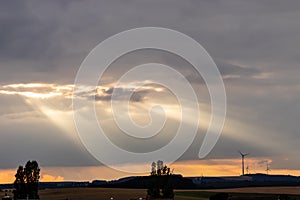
<point x="55" y="36"/>
<point x="24" y="36"/>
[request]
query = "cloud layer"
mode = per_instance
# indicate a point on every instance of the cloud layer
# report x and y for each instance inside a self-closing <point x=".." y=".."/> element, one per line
<point x="254" y="44"/>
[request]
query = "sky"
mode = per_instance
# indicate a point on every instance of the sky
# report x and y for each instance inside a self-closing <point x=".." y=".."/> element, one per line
<point x="254" y="44"/>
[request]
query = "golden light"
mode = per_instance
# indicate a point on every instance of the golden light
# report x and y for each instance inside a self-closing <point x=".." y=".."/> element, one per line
<point x="33" y="94"/>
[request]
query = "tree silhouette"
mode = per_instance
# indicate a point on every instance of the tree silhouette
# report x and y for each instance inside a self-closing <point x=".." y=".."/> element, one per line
<point x="32" y="174"/>
<point x="27" y="179"/>
<point x="160" y="181"/>
<point x="153" y="169"/>
<point x="19" y="184"/>
<point x="160" y="165"/>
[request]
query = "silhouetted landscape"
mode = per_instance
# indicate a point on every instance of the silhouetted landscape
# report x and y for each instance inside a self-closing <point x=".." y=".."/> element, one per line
<point x="258" y="186"/>
<point x="160" y="184"/>
<point x="180" y="182"/>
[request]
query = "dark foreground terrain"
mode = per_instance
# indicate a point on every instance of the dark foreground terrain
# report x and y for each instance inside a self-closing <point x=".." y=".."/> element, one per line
<point x="95" y="194"/>
<point x="125" y="194"/>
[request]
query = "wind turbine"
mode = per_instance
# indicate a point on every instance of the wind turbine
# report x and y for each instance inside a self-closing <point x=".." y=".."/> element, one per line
<point x="268" y="168"/>
<point x="243" y="164"/>
<point x="247" y="169"/>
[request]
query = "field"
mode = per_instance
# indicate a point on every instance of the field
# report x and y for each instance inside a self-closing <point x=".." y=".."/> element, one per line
<point x="95" y="193"/>
<point x="125" y="194"/>
<point x="293" y="192"/>
<point x="265" y="190"/>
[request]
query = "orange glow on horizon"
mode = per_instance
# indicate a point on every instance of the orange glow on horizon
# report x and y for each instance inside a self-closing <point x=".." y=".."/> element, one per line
<point x="7" y="176"/>
<point x="213" y="167"/>
<point x="50" y="178"/>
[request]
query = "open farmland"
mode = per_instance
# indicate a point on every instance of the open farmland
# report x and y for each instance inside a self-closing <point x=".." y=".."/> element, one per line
<point x="96" y="193"/>
<point x="125" y="194"/>
<point x="262" y="190"/>
<point x="252" y="192"/>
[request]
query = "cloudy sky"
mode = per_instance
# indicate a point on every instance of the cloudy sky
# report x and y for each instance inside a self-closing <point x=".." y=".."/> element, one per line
<point x="255" y="45"/>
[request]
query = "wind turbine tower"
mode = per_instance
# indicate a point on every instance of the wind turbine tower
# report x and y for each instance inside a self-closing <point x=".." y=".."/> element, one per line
<point x="268" y="168"/>
<point x="243" y="161"/>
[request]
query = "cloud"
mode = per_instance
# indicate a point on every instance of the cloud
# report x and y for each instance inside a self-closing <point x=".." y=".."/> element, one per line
<point x="100" y="93"/>
<point x="23" y="115"/>
<point x="252" y="33"/>
<point x="37" y="90"/>
<point x="50" y="178"/>
<point x="137" y="94"/>
<point x="228" y="69"/>
<point x="7" y="176"/>
<point x="263" y="163"/>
